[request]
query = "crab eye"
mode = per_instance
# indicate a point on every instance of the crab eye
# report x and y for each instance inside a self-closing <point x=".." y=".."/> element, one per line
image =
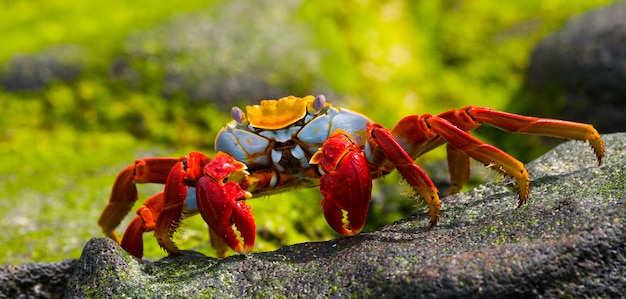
<point x="237" y="114"/>
<point x="319" y="102"/>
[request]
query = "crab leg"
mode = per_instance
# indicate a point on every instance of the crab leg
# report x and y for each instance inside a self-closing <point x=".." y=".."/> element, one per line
<point x="188" y="169"/>
<point x="124" y="192"/>
<point x="421" y="134"/>
<point x="221" y="248"/>
<point x="487" y="154"/>
<point x="471" y="117"/>
<point x="459" y="167"/>
<point x="145" y="221"/>
<point x="174" y="197"/>
<point x="417" y="178"/>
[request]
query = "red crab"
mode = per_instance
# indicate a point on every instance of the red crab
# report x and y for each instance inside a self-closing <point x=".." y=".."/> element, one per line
<point x="305" y="142"/>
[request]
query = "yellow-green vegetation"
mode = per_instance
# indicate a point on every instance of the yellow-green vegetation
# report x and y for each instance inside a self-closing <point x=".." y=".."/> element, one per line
<point x="116" y="97"/>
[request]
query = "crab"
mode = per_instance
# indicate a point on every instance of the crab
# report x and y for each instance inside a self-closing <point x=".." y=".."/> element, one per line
<point x="294" y="142"/>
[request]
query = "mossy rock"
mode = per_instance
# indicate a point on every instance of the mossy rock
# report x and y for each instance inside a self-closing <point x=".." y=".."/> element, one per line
<point x="568" y="240"/>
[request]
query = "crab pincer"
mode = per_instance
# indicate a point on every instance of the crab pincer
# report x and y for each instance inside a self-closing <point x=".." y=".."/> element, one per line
<point x="346" y="183"/>
<point x="221" y="202"/>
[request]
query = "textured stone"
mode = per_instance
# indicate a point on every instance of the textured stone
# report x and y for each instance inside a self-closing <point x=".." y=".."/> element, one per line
<point x="578" y="73"/>
<point x="569" y="240"/>
<point x="32" y="72"/>
<point x="208" y="56"/>
<point x="36" y="280"/>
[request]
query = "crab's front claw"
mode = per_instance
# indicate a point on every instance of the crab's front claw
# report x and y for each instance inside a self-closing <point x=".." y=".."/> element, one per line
<point x="221" y="206"/>
<point x="346" y="183"/>
<point x="344" y="193"/>
<point x="221" y="202"/>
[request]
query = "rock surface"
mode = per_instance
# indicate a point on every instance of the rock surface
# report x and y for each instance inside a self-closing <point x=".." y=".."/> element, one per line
<point x="578" y="73"/>
<point x="206" y="56"/>
<point x="569" y="240"/>
<point x="33" y="72"/>
<point x="37" y="280"/>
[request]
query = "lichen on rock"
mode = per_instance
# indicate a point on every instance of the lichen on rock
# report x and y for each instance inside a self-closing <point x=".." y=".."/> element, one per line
<point x="568" y="240"/>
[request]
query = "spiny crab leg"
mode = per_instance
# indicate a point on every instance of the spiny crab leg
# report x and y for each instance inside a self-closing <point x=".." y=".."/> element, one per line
<point x="459" y="167"/>
<point x="417" y="178"/>
<point x="221" y="202"/>
<point x="346" y="183"/>
<point x="145" y="221"/>
<point x="459" y="143"/>
<point x="471" y="117"/>
<point x="174" y="194"/>
<point x="124" y="193"/>
<point x="187" y="169"/>
<point x="487" y="154"/>
<point x="419" y="134"/>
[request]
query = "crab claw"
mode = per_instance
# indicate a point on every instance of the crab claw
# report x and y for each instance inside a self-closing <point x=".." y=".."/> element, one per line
<point x="221" y="202"/>
<point x="346" y="183"/>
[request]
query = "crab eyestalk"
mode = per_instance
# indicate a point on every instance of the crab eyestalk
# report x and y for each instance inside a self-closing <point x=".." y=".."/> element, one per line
<point x="221" y="202"/>
<point x="239" y="116"/>
<point x="317" y="105"/>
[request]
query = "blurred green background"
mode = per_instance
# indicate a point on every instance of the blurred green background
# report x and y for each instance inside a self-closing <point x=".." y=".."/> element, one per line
<point x="89" y="86"/>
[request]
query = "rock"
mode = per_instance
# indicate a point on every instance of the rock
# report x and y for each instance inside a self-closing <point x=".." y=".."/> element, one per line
<point x="578" y="73"/>
<point x="33" y="72"/>
<point x="222" y="54"/>
<point x="36" y="280"/>
<point x="569" y="240"/>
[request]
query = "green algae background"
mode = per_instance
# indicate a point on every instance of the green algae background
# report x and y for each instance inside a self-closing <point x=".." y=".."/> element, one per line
<point x="62" y="142"/>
